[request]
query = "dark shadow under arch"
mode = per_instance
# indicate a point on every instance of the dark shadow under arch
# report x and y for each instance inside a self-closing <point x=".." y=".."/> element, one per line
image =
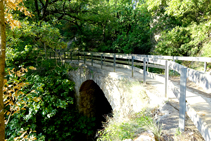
<point x="93" y="103"/>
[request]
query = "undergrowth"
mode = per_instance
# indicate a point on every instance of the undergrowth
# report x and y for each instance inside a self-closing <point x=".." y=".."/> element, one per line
<point x="39" y="104"/>
<point x="118" y="129"/>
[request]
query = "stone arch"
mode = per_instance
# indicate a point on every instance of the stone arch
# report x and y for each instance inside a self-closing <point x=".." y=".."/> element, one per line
<point x="93" y="103"/>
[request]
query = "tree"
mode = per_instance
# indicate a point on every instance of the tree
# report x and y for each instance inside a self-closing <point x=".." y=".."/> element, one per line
<point x="10" y="6"/>
<point x="2" y="67"/>
<point x="183" y="26"/>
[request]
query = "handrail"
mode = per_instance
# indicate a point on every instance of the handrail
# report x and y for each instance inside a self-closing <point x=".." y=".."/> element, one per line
<point x="182" y="58"/>
<point x="159" y="62"/>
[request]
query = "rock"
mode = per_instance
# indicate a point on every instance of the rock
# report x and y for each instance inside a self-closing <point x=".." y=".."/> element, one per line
<point x="128" y="140"/>
<point x="145" y="136"/>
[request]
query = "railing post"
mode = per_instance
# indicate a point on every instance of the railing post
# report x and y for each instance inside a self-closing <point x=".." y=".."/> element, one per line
<point x="173" y="61"/>
<point x="78" y="56"/>
<point x="166" y="78"/>
<point x="101" y="61"/>
<point x="144" y="71"/>
<point x="182" y="99"/>
<point x="205" y="66"/>
<point x="84" y="59"/>
<point x="71" y="57"/>
<point x="132" y="65"/>
<point x="92" y="59"/>
<point x="114" y="62"/>
<point x="147" y="63"/>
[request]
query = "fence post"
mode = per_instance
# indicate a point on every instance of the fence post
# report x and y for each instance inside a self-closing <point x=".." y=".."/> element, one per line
<point x="182" y="99"/>
<point x="101" y="61"/>
<point x="205" y="66"/>
<point x="114" y="62"/>
<point x="84" y="59"/>
<point x="71" y="56"/>
<point x="132" y="64"/>
<point x="173" y="61"/>
<point x="144" y="71"/>
<point x="92" y="59"/>
<point x="166" y="78"/>
<point x="147" y="64"/>
<point x="78" y="56"/>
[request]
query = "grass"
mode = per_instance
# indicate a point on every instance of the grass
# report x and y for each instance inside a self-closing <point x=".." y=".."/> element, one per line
<point x="129" y="127"/>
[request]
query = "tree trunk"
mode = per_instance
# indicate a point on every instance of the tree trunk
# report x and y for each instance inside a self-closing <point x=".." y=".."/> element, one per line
<point x="2" y="67"/>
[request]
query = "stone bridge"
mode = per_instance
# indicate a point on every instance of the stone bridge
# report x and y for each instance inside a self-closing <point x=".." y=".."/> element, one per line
<point x="100" y="91"/>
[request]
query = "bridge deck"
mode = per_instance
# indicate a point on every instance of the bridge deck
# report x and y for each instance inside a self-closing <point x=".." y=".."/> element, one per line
<point x="198" y="101"/>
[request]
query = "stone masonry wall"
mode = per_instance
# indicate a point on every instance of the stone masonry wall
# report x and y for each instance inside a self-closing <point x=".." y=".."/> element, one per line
<point x="124" y="94"/>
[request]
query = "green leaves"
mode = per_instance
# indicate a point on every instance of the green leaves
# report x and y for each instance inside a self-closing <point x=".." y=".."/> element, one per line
<point x="22" y="43"/>
<point x="39" y="105"/>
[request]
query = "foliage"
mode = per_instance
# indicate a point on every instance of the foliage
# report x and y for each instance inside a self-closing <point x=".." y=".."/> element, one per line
<point x="41" y="100"/>
<point x="174" y="43"/>
<point x="133" y="30"/>
<point x="186" y="30"/>
<point x="124" y="27"/>
<point x="23" y="43"/>
<point x="129" y="127"/>
<point x="39" y="105"/>
<point x="15" y="5"/>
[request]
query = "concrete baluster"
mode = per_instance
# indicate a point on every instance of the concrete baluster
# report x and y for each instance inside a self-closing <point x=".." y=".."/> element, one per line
<point x="166" y="78"/>
<point x="182" y="99"/>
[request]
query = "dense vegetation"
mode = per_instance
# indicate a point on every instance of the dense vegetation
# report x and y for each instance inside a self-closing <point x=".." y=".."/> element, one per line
<point x="38" y="97"/>
<point x="37" y="92"/>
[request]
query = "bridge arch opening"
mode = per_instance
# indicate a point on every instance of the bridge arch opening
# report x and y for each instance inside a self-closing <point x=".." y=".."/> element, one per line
<point x="93" y="103"/>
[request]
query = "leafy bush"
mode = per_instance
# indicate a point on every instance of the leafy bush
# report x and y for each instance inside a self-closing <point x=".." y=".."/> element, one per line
<point x="39" y="104"/>
<point x="23" y="43"/>
<point x="174" y="43"/>
<point x="130" y="127"/>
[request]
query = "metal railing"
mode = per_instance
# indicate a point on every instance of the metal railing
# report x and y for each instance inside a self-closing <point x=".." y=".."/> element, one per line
<point x="163" y="62"/>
